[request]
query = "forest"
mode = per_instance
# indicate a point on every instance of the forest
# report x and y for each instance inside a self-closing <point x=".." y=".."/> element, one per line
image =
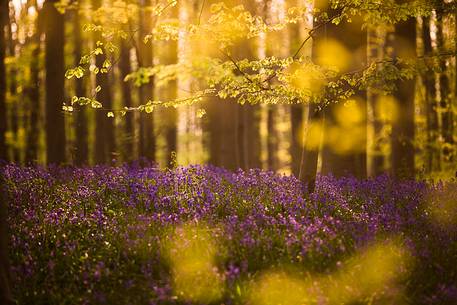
<point x="254" y="152"/>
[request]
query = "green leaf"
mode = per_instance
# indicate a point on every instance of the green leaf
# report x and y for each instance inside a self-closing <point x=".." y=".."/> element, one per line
<point x="69" y="73"/>
<point x="98" y="51"/>
<point x="148" y="108"/>
<point x="96" y="104"/>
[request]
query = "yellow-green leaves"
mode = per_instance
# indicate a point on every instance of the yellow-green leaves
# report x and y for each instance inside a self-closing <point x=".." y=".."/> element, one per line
<point x="67" y="108"/>
<point x="201" y="113"/>
<point x="96" y="104"/>
<point x="77" y="72"/>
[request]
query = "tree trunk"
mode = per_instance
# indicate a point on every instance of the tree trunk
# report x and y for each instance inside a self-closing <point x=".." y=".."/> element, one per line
<point x="296" y="110"/>
<point x="376" y="157"/>
<point x="272" y="110"/>
<point x="104" y="132"/>
<point x="222" y="119"/>
<point x="272" y="140"/>
<point x="54" y="63"/>
<point x="248" y="115"/>
<point x="82" y="133"/>
<point x="447" y="130"/>
<point x="147" y="135"/>
<point x="31" y="153"/>
<point x="15" y="107"/>
<point x="5" y="277"/>
<point x="310" y="143"/>
<point x="170" y="116"/>
<point x="429" y="81"/>
<point x="125" y="69"/>
<point x="403" y="165"/>
<point x="296" y="145"/>
<point x="3" y="116"/>
<point x="5" y="290"/>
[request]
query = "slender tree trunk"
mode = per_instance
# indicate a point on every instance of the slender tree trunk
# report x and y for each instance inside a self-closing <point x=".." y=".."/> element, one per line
<point x="296" y="145"/>
<point x="310" y="143"/>
<point x="54" y="63"/>
<point x="105" y="146"/>
<point x="15" y="107"/>
<point x="296" y="110"/>
<point x="403" y="165"/>
<point x="81" y="128"/>
<point x="272" y="110"/>
<point x="31" y="152"/>
<point x="222" y="118"/>
<point x="447" y="130"/>
<point x="272" y="140"/>
<point x="125" y="69"/>
<point x="249" y="136"/>
<point x="5" y="290"/>
<point x="147" y="135"/>
<point x="429" y="81"/>
<point x="312" y="138"/>
<point x="170" y="114"/>
<point x="3" y="115"/>
<point x="249" y="118"/>
<point x="376" y="161"/>
<point x="454" y="103"/>
<point x="5" y="277"/>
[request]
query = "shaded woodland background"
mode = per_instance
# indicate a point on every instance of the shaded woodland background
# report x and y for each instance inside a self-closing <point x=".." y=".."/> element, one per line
<point x="411" y="132"/>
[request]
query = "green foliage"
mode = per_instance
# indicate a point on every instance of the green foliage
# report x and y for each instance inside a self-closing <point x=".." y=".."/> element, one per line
<point x="214" y="54"/>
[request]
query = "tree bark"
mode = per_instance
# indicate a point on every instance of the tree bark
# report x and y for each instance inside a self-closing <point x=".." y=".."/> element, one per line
<point x="54" y="63"/>
<point x="171" y="92"/>
<point x="447" y="129"/>
<point x="5" y="289"/>
<point x="147" y="141"/>
<point x="403" y="165"/>
<point x="3" y="116"/>
<point x="105" y="146"/>
<point x="15" y="105"/>
<point x="81" y="128"/>
<point x="222" y="120"/>
<point x="31" y="152"/>
<point x="5" y="277"/>
<point x="296" y="110"/>
<point x="429" y="81"/>
<point x="309" y="151"/>
<point x="272" y="110"/>
<point x="125" y="69"/>
<point x="376" y="157"/>
<point x="272" y="140"/>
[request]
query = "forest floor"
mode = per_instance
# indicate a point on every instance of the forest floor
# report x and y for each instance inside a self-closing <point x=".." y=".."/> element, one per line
<point x="205" y="235"/>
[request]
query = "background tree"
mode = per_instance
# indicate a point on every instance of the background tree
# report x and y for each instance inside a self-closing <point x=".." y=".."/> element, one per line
<point x="32" y="145"/>
<point x="147" y="137"/>
<point x="3" y="116"/>
<point x="55" y="71"/>
<point x="81" y="121"/>
<point x="433" y="161"/>
<point x="403" y="152"/>
<point x="445" y="91"/>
